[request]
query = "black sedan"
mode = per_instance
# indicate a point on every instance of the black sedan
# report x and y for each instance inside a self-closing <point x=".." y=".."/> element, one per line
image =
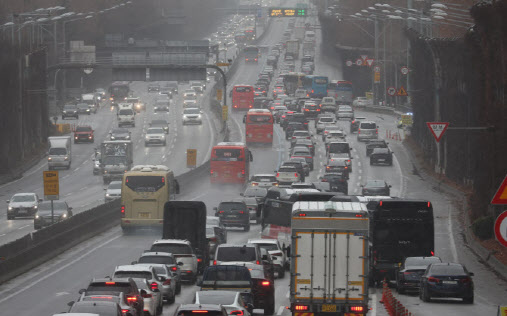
<point x="119" y="134"/>
<point x="409" y="276"/>
<point x="376" y="187"/>
<point x="45" y="217"/>
<point x="381" y="156"/>
<point x="447" y="280"/>
<point x="372" y="144"/>
<point x="337" y="182"/>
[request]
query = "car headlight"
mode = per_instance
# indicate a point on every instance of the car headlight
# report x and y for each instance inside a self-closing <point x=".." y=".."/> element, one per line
<point x="127" y="137"/>
<point x="147" y="138"/>
<point x="66" y="158"/>
<point x="112" y="137"/>
<point x="37" y="216"/>
<point x="108" y="195"/>
<point x="163" y="137"/>
<point x="64" y="215"/>
<point x="64" y="112"/>
<point x="35" y="207"/>
<point x="9" y="208"/>
<point x="49" y="158"/>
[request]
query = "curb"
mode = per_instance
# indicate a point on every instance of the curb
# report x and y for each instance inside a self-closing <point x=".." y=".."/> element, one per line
<point x="484" y="254"/>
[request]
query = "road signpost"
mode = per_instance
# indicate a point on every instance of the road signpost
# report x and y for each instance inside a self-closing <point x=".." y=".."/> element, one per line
<point x="191" y="158"/>
<point x="225" y="112"/>
<point x="437" y="129"/>
<point x="501" y="228"/>
<point x="219" y="94"/>
<point x="377" y="77"/>
<point x="500" y="197"/>
<point x="51" y="189"/>
<point x="391" y="91"/>
<point x="349" y="63"/>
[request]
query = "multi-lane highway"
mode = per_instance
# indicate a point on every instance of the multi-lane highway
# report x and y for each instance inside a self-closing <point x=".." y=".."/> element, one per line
<point x="47" y="289"/>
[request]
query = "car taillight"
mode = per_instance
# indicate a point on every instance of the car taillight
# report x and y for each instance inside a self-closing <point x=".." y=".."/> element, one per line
<point x="323" y="180"/>
<point x="241" y="212"/>
<point x="353" y="122"/>
<point x="277" y="254"/>
<point x="278" y="174"/>
<point x="110" y="283"/>
<point x="265" y="283"/>
<point x="356" y="308"/>
<point x="199" y="259"/>
<point x="237" y="312"/>
<point x="174" y="269"/>
<point x="376" y="131"/>
<point x="154" y="286"/>
<point x="214" y="262"/>
<point x="221" y="212"/>
<point x="122" y="214"/>
<point x="465" y="280"/>
<point x="433" y="279"/>
<point x="131" y="298"/>
<point x="407" y="273"/>
<point x="359" y="131"/>
<point x="200" y="312"/>
<point x="301" y="307"/>
<point x="257" y="262"/>
<point x="213" y="239"/>
<point x="296" y="174"/>
<point x="167" y="282"/>
<point x="124" y="311"/>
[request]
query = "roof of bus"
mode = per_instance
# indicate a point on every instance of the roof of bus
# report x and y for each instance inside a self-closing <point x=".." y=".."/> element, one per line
<point x="243" y="85"/>
<point x="231" y="144"/>
<point x="120" y="83"/>
<point x="258" y="111"/>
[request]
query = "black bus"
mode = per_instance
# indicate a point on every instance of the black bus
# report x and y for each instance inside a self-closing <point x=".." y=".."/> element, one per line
<point x="399" y="229"/>
<point x="118" y="91"/>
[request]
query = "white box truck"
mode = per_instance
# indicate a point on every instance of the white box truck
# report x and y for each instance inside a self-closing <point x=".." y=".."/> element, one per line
<point x="292" y="49"/>
<point x="59" y="152"/>
<point x="329" y="259"/>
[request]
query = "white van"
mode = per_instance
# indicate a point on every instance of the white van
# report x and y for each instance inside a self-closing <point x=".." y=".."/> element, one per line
<point x="126" y="115"/>
<point x="59" y="152"/>
<point x="310" y="36"/>
<point x="367" y="130"/>
<point x="91" y="100"/>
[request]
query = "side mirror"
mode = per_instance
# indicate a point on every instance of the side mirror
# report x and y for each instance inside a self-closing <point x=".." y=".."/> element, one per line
<point x="8" y="201"/>
<point x="471" y="273"/>
<point x="264" y="257"/>
<point x="105" y="189"/>
<point x="242" y="194"/>
<point x="70" y="303"/>
<point x="180" y="263"/>
<point x="143" y="293"/>
<point x="390" y="186"/>
<point x="81" y="291"/>
<point x="162" y="278"/>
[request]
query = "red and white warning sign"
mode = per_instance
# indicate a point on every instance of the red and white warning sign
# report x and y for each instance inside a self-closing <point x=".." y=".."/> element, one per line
<point x="349" y="63"/>
<point x="364" y="57"/>
<point x="501" y="228"/>
<point x="391" y="91"/>
<point x="370" y="61"/>
<point x="437" y="129"/>
<point x="359" y="62"/>
<point x="500" y="197"/>
<point x="404" y="70"/>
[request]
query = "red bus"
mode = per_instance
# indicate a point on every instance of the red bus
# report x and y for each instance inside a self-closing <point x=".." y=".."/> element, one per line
<point x="230" y="163"/>
<point x="259" y="126"/>
<point x="242" y="97"/>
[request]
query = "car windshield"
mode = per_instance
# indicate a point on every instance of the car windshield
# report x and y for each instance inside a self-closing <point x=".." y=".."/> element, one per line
<point x="133" y="274"/>
<point x="447" y="270"/>
<point x="268" y="247"/>
<point x="282" y="169"/>
<point x="368" y="125"/>
<point x="191" y="111"/>
<point x="161" y="271"/>
<point x="326" y="120"/>
<point x="126" y="112"/>
<point x="115" y="185"/>
<point x="231" y="206"/>
<point x="264" y="178"/>
<point x="155" y="131"/>
<point x="375" y="183"/>
<point x="57" y="151"/>
<point x="213" y="221"/>
<point x="211" y="297"/>
<point x="69" y="107"/>
<point x="23" y="198"/>
<point x="57" y="205"/>
<point x="175" y="249"/>
<point x="418" y="261"/>
<point x="157" y="259"/>
<point x="83" y="129"/>
<point x="236" y="254"/>
<point x="119" y="131"/>
<point x="82" y="106"/>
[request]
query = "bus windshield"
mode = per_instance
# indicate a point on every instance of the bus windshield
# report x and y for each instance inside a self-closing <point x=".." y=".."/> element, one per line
<point x="227" y="154"/>
<point x="145" y="183"/>
<point x="260" y="119"/>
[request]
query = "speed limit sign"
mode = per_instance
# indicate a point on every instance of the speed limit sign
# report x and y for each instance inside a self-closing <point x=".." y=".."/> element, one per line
<point x="349" y="63"/>
<point x="391" y="91"/>
<point x="376" y="69"/>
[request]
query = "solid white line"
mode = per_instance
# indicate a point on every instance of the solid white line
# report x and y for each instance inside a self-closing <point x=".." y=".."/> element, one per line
<point x="212" y="143"/>
<point x="57" y="270"/>
<point x="23" y="226"/>
<point x="2" y="235"/>
<point x="374" y="307"/>
<point x="280" y="310"/>
<point x="288" y="294"/>
<point x="451" y="237"/>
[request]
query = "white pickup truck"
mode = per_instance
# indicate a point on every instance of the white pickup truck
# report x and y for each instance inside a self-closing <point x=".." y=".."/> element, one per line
<point x="287" y="176"/>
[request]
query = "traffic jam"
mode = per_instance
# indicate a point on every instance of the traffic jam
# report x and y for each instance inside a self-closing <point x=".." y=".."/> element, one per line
<point x="302" y="210"/>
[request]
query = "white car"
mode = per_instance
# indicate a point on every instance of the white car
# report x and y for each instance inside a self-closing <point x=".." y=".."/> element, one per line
<point x="287" y="175"/>
<point x="192" y="116"/>
<point x="155" y="135"/>
<point x="300" y="93"/>
<point x="168" y="284"/>
<point x="325" y="121"/>
<point x="335" y="136"/>
<point x="328" y="104"/>
<point x="276" y="252"/>
<point x="23" y="204"/>
<point x="263" y="180"/>
<point x="183" y="252"/>
<point x="300" y="135"/>
<point x="153" y="303"/>
<point x="232" y="301"/>
<point x="345" y="111"/>
<point x="361" y="101"/>
<point x="113" y="191"/>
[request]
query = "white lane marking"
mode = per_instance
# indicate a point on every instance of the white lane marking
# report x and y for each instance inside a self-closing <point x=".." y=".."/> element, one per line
<point x="50" y="274"/>
<point x="358" y="163"/>
<point x="212" y="143"/>
<point x="374" y="307"/>
<point x="23" y="226"/>
<point x="288" y="294"/>
<point x="2" y="235"/>
<point x="451" y="237"/>
<point x="199" y="196"/>
<point x="280" y="310"/>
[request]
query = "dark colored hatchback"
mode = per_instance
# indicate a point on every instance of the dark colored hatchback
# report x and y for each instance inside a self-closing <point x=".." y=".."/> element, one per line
<point x="337" y="182"/>
<point x="376" y="187"/>
<point x="447" y="280"/>
<point x="409" y="275"/>
<point x="294" y="126"/>
<point x="233" y="213"/>
<point x="381" y="156"/>
<point x="372" y="144"/>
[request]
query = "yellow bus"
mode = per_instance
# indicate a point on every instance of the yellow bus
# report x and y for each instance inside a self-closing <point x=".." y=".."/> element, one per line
<point x="145" y="190"/>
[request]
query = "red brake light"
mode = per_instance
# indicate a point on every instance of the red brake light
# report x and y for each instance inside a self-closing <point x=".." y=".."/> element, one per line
<point x="432" y="253"/>
<point x="110" y="283"/>
<point x="433" y="279"/>
<point x="296" y="174"/>
<point x="214" y="262"/>
<point x="359" y="215"/>
<point x="199" y="259"/>
<point x="356" y="308"/>
<point x="323" y="180"/>
<point x="257" y="262"/>
<point x="429" y="204"/>
<point x="221" y="212"/>
<point x="154" y="286"/>
<point x="302" y="214"/>
<point x="301" y="307"/>
<point x="124" y="311"/>
<point x="465" y="280"/>
<point x="122" y="215"/>
<point x="265" y="283"/>
<point x="132" y="298"/>
<point x="163" y="179"/>
<point x="380" y="203"/>
<point x="278" y="174"/>
<point x="201" y="312"/>
<point x="237" y="313"/>
<point x="174" y="268"/>
<point x="241" y="212"/>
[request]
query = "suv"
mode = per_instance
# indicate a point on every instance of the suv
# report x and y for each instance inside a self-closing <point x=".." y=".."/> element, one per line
<point x="286" y="175"/>
<point x="300" y="168"/>
<point x="126" y="117"/>
<point x="311" y="108"/>
<point x="338" y="166"/>
<point x="367" y="130"/>
<point x="160" y="123"/>
<point x="164" y="258"/>
<point x="328" y="104"/>
<point x="183" y="252"/>
<point x="345" y="111"/>
<point x="263" y="180"/>
<point x="308" y="143"/>
<point x="70" y="110"/>
<point x="233" y="213"/>
<point x="299" y="134"/>
<point x="83" y="134"/>
<point x="153" y="87"/>
<point x="199" y="309"/>
<point x="381" y="155"/>
<point x="155" y="135"/>
<point x="125" y="285"/>
<point x="325" y="121"/>
<point x="276" y="252"/>
<point x="22" y="204"/>
<point x="372" y="144"/>
<point x="239" y="253"/>
<point x="305" y="153"/>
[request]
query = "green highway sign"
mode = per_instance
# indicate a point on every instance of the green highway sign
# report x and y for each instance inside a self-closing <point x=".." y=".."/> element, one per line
<point x="287" y="12"/>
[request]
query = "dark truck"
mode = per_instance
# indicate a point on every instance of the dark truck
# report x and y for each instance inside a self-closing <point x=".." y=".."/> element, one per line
<point x="399" y="229"/>
<point x="187" y="220"/>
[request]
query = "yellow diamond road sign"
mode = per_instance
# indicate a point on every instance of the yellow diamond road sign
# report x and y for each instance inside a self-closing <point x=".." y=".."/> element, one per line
<point x="51" y="185"/>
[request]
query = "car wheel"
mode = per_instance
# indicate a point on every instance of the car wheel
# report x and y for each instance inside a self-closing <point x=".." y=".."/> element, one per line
<point x="425" y="295"/>
<point x="258" y="220"/>
<point x="159" y="309"/>
<point x="172" y="299"/>
<point x="469" y="300"/>
<point x="63" y="118"/>
<point x="270" y="309"/>
<point x="247" y="228"/>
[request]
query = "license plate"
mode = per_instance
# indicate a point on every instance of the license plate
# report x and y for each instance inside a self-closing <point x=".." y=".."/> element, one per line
<point x="450" y="282"/>
<point x="381" y="160"/>
<point x="144" y="215"/>
<point x="232" y="216"/>
<point x="328" y="308"/>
